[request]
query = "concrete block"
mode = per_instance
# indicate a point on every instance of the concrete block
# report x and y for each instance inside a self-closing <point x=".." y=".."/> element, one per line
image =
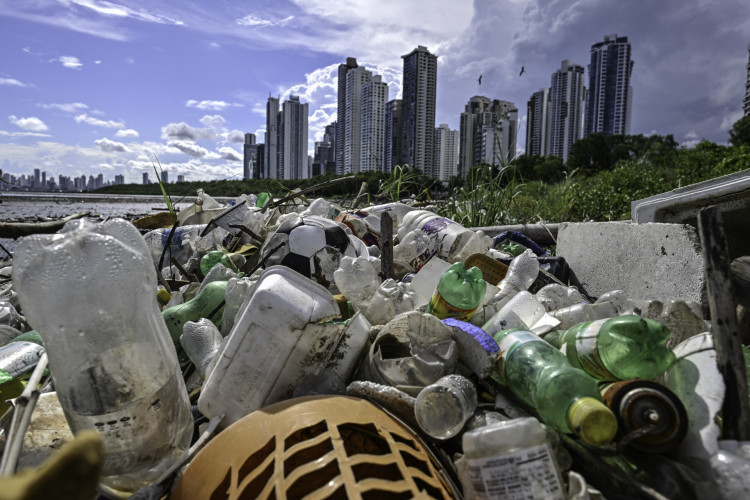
<point x="651" y="261"/>
<point x="731" y="193"/>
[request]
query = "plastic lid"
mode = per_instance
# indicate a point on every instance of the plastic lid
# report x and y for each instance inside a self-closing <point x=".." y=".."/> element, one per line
<point x="592" y="421"/>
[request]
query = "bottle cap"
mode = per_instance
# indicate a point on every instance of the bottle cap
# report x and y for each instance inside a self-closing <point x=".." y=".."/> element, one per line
<point x="592" y="421"/>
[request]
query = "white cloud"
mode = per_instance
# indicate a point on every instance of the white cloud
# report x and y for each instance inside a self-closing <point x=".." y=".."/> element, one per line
<point x="127" y="133"/>
<point x="110" y="9"/>
<point x="216" y="122"/>
<point x="97" y="122"/>
<point x="23" y="134"/>
<point x="70" y="62"/>
<point x="12" y="82"/>
<point x="189" y="148"/>
<point x="71" y="107"/>
<point x="31" y="123"/>
<point x="228" y="153"/>
<point x="235" y="136"/>
<point x="97" y="61"/>
<point x="257" y="22"/>
<point x="183" y="131"/>
<point x="109" y="146"/>
<point x="210" y="105"/>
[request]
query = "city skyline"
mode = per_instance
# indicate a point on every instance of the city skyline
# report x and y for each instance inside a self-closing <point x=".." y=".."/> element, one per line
<point x="89" y="86"/>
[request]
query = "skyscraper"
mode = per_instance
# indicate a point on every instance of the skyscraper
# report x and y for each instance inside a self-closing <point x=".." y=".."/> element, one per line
<point x="565" y="119"/>
<point x="537" y="110"/>
<point x="446" y="151"/>
<point x="374" y="98"/>
<point x="610" y="97"/>
<point x="488" y="133"/>
<point x="746" y="101"/>
<point x="293" y="140"/>
<point x="250" y="161"/>
<point x="272" y="139"/>
<point x="356" y="78"/>
<point x="350" y="64"/>
<point x="394" y="125"/>
<point x="419" y="90"/>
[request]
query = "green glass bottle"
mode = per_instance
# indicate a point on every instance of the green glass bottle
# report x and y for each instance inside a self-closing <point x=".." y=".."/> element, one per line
<point x="210" y="259"/>
<point x="458" y="294"/>
<point x="566" y="398"/>
<point x="620" y="348"/>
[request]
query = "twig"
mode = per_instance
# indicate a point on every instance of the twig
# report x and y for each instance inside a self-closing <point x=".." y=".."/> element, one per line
<point x="6" y="250"/>
<point x="310" y="189"/>
<point x="386" y="246"/>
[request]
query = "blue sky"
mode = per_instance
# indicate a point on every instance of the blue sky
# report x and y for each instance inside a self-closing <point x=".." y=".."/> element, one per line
<point x="90" y="86"/>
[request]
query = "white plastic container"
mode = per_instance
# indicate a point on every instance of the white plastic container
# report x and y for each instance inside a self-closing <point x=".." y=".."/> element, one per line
<point x="510" y="460"/>
<point x="266" y="344"/>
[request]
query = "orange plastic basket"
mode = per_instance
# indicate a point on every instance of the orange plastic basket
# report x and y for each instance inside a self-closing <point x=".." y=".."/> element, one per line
<point x="314" y="447"/>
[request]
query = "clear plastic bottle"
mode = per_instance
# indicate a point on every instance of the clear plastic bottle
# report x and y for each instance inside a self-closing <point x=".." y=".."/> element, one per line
<point x="521" y="311"/>
<point x="522" y="272"/>
<point x="89" y="291"/>
<point x="619" y="348"/>
<point x="458" y="294"/>
<point x="443" y="408"/>
<point x="510" y="460"/>
<point x="448" y="239"/>
<point x="566" y="398"/>
<point x="580" y="313"/>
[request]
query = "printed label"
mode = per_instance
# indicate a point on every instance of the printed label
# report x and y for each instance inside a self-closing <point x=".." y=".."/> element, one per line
<point x="442" y="309"/>
<point x="587" y="351"/>
<point x="520" y="475"/>
<point x="20" y="357"/>
<point x="507" y="345"/>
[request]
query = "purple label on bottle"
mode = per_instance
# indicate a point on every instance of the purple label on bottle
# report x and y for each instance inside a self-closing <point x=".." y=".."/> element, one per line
<point x="436" y="225"/>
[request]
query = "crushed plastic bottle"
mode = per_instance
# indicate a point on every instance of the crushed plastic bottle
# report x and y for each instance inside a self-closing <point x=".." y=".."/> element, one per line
<point x="110" y="354"/>
<point x="448" y="239"/>
<point x="443" y="407"/>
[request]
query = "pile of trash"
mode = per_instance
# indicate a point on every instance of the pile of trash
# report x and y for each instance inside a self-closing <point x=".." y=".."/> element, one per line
<point x="260" y="349"/>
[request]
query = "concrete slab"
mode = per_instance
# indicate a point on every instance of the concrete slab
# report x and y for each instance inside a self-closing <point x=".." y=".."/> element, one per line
<point x="731" y="193"/>
<point x="653" y="261"/>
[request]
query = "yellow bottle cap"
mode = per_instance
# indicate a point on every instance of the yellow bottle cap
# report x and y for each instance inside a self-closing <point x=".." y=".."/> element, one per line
<point x="163" y="296"/>
<point x="592" y="421"/>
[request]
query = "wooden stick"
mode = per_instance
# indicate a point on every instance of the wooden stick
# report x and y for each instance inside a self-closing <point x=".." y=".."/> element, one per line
<point x="726" y="335"/>
<point x="386" y="246"/>
<point x="18" y="229"/>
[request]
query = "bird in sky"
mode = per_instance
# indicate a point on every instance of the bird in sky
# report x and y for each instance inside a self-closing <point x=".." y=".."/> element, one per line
<point x="522" y="70"/>
<point x="480" y="79"/>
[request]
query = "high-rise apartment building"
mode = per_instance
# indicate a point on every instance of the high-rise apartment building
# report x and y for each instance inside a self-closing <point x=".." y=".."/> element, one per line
<point x="610" y="97"/>
<point x="350" y="64"/>
<point x="488" y="133"/>
<point x="356" y="78"/>
<point x="272" y="139"/>
<point x="566" y="103"/>
<point x="746" y="101"/>
<point x="164" y="177"/>
<point x="37" y="178"/>
<point x="374" y="99"/>
<point x="145" y="178"/>
<point x="446" y="151"/>
<point x="250" y="163"/>
<point x="419" y="92"/>
<point x="293" y="140"/>
<point x="537" y="110"/>
<point x="394" y="126"/>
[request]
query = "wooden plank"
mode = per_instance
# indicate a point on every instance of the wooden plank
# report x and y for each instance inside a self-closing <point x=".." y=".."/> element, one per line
<point x="726" y="334"/>
<point x="740" y="271"/>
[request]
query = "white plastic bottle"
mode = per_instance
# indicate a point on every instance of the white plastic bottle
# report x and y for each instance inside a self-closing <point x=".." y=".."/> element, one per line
<point x="510" y="460"/>
<point x="89" y="292"/>
<point x="448" y="239"/>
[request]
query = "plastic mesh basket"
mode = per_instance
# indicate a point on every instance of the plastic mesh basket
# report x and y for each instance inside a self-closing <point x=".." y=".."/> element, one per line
<point x="314" y="447"/>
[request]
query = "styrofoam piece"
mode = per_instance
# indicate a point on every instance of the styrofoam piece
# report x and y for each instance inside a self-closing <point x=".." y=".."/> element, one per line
<point x="697" y="382"/>
<point x="266" y="335"/>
